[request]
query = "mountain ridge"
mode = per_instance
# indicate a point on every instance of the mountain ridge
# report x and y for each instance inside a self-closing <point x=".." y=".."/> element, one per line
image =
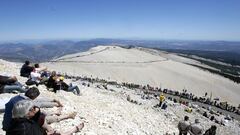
<point x="48" y="50"/>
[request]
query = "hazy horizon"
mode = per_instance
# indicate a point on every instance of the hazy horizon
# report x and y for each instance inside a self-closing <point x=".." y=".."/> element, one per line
<point x="33" y="41"/>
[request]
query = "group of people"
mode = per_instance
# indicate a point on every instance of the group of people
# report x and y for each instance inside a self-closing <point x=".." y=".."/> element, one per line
<point x="185" y="127"/>
<point x="184" y="94"/>
<point x="190" y="96"/>
<point x="37" y="75"/>
<point x="23" y="115"/>
<point x="195" y="128"/>
<point x="204" y="99"/>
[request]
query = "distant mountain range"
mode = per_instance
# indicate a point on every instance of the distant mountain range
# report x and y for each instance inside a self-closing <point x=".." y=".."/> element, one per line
<point x="41" y="52"/>
<point x="46" y="51"/>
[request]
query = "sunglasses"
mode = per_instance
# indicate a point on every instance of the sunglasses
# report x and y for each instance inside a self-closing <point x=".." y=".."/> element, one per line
<point x="33" y="108"/>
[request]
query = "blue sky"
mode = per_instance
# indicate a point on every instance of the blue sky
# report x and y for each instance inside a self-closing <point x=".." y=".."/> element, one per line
<point x="131" y="19"/>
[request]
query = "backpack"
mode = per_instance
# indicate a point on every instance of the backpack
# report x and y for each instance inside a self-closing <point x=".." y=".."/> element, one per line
<point x="30" y="82"/>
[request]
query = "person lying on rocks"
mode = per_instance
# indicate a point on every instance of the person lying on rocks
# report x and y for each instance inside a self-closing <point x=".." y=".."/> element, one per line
<point x="49" y="118"/>
<point x="28" y="120"/>
<point x="68" y="88"/>
<point x="31" y="94"/>
<point x="10" y="84"/>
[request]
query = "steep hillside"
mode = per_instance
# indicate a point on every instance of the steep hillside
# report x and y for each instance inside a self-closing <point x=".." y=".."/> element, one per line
<point x="145" y="66"/>
<point x="107" y="111"/>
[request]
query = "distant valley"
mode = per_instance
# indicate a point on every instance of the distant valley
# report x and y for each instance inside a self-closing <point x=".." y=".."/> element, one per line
<point x="222" y="56"/>
<point x="224" y="51"/>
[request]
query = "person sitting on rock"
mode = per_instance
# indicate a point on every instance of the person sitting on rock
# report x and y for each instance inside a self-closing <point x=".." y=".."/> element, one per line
<point x="9" y="84"/>
<point x="205" y="114"/>
<point x="189" y="109"/>
<point x="26" y="69"/>
<point x="41" y="70"/>
<point x="66" y="87"/>
<point x="52" y="81"/>
<point x="183" y="126"/>
<point x="164" y="105"/>
<point x="212" y="118"/>
<point x="35" y="78"/>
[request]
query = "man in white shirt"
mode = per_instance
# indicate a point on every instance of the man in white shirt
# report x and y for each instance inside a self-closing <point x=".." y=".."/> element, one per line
<point x="35" y="76"/>
<point x="42" y="70"/>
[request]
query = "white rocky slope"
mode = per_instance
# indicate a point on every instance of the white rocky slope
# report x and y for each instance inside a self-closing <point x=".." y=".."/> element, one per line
<point x="108" y="112"/>
<point x="141" y="66"/>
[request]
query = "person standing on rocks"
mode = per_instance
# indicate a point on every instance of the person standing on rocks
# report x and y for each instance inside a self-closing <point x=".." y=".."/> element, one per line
<point x="211" y="130"/>
<point x="183" y="126"/>
<point x="161" y="99"/>
<point x="196" y="128"/>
